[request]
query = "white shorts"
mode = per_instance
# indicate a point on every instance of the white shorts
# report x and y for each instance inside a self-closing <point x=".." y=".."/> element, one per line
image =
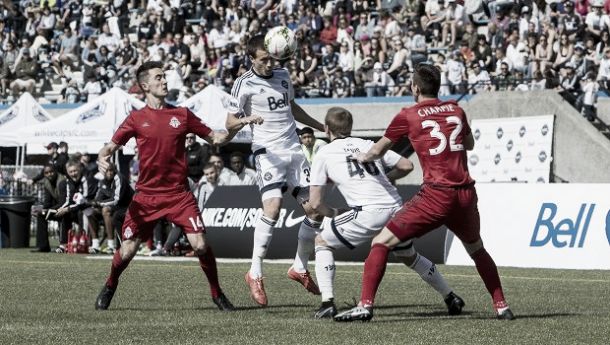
<point x="355" y="227"/>
<point x="276" y="171"/>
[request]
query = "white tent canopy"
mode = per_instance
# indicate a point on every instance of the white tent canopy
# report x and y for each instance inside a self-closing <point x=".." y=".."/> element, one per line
<point x="85" y="128"/>
<point x="24" y="113"/>
<point x="211" y="105"/>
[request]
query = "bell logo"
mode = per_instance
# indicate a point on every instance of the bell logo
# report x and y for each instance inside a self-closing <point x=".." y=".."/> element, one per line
<point x="564" y="230"/>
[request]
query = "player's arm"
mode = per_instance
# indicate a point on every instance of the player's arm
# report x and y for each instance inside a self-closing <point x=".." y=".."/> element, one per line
<point x="235" y="122"/>
<point x="469" y="142"/>
<point x="103" y="157"/>
<point x="301" y="116"/>
<point x="402" y="168"/>
<point x="377" y="151"/>
<point x="316" y="201"/>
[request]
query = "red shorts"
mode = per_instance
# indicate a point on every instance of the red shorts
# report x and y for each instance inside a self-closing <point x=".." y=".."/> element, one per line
<point x="433" y="207"/>
<point x="145" y="209"/>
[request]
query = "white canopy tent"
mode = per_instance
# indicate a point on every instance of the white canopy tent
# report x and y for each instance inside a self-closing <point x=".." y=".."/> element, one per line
<point x="85" y="128"/>
<point x="211" y="105"/>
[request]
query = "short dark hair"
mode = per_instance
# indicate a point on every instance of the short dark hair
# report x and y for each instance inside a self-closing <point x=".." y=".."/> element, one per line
<point x="428" y="78"/>
<point x="236" y="154"/>
<point x="142" y="72"/>
<point x="209" y="166"/>
<point x="254" y="44"/>
<point x="306" y="130"/>
<point x="339" y="121"/>
<point x="74" y="163"/>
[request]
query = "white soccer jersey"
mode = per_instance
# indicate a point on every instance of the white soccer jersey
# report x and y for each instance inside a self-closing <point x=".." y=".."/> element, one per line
<point x="268" y="97"/>
<point x="360" y="184"/>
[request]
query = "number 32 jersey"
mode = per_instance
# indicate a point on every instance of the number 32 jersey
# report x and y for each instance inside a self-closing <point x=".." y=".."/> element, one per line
<point x="436" y="130"/>
<point x="360" y="184"/>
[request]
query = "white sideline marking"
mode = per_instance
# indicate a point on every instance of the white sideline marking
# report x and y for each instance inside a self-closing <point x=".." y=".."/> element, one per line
<point x="221" y="260"/>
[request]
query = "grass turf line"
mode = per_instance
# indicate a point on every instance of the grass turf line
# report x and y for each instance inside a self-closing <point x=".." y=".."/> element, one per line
<point x="49" y="299"/>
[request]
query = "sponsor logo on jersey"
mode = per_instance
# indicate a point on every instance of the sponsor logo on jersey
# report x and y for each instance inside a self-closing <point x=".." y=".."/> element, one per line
<point x="128" y="233"/>
<point x="268" y="176"/>
<point x="285" y="84"/>
<point x="278" y="103"/>
<point x="174" y="122"/>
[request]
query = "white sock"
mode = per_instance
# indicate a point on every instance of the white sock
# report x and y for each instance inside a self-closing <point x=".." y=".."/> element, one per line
<point x="306" y="244"/>
<point x="95" y="243"/>
<point x="428" y="272"/>
<point x="325" y="272"/>
<point x="111" y="244"/>
<point x="262" y="237"/>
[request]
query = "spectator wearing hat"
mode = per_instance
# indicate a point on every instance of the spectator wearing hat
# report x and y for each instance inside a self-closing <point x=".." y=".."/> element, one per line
<point x="26" y="70"/>
<point x="579" y="61"/>
<point x="380" y="82"/>
<point x="572" y="22"/>
<point x="569" y="86"/>
<point x="594" y="20"/>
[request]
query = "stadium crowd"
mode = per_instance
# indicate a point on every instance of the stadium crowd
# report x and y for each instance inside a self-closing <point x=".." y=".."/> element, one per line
<point x="346" y="48"/>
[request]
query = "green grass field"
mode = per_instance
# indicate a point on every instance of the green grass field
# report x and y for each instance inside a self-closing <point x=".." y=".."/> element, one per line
<point x="49" y="299"/>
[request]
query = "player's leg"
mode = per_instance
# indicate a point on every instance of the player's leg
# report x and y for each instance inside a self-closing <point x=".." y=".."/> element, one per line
<point x="430" y="274"/>
<point x="297" y="177"/>
<point x="107" y="215"/>
<point x="92" y="216"/>
<point x="465" y="223"/>
<point x="182" y="210"/>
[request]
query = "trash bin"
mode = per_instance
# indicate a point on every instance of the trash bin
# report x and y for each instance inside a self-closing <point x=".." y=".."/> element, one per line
<point x="15" y="217"/>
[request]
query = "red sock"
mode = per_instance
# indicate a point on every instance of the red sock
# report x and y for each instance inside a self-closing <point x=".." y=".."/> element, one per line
<point x="374" y="269"/>
<point x="489" y="273"/>
<point x="207" y="262"/>
<point x="118" y="266"/>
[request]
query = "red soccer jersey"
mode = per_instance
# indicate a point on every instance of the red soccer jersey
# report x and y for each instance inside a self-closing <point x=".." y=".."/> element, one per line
<point x="436" y="130"/>
<point x="160" y="136"/>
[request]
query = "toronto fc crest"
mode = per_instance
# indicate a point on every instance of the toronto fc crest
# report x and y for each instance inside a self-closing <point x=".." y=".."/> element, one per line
<point x="174" y="122"/>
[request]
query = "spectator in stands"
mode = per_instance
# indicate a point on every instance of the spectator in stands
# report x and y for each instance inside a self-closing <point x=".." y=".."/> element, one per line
<point x="245" y="176"/>
<point x="341" y="84"/>
<point x="197" y="156"/>
<point x="589" y="89"/>
<point x="111" y="201"/>
<point x="563" y="50"/>
<point x="572" y="22"/>
<point x="595" y="19"/>
<point x="309" y="143"/>
<point x="330" y="60"/>
<point x="26" y="70"/>
<point x="93" y="88"/>
<point x="456" y="73"/>
<point x="108" y="39"/>
<point x="328" y="35"/>
<point x="68" y="52"/>
<point x="454" y="15"/>
<point x="380" y="82"/>
<point x="9" y="58"/>
<point x="206" y="186"/>
<point x="569" y="86"/>
<point x="55" y="160"/>
<point x="50" y="203"/>
<point x="364" y="28"/>
<point x="504" y="80"/>
<point x="225" y="176"/>
<point x="479" y="79"/>
<point x="89" y="166"/>
<point x="400" y="57"/>
<point x="416" y="45"/>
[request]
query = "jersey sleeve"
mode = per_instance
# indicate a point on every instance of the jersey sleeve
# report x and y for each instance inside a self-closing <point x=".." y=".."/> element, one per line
<point x="290" y="87"/>
<point x="239" y="98"/>
<point x="465" y="126"/>
<point x="390" y="159"/>
<point x="398" y="128"/>
<point x="319" y="175"/>
<point x="126" y="131"/>
<point x="196" y="125"/>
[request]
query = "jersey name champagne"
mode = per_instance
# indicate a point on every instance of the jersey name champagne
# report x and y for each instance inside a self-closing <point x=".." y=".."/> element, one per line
<point x="360" y="184"/>
<point x="268" y="97"/>
<point x="436" y="130"/>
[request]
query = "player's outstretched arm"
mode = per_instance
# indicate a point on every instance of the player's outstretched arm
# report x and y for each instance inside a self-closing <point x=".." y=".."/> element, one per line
<point x="376" y="151"/>
<point x="301" y="116"/>
<point x="235" y="123"/>
<point x="400" y="170"/>
<point x="103" y="157"/>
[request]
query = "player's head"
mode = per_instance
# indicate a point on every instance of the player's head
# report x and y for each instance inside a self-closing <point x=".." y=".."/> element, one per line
<point x="338" y="123"/>
<point x="262" y="62"/>
<point x="110" y="172"/>
<point x="426" y="81"/>
<point x="237" y="161"/>
<point x="211" y="173"/>
<point x="306" y="136"/>
<point x="74" y="169"/>
<point x="151" y="78"/>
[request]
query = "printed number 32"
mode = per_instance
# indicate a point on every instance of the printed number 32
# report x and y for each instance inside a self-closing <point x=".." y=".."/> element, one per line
<point x="436" y="133"/>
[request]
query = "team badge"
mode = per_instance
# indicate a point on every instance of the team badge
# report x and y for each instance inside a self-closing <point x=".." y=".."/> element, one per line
<point x="128" y="233"/>
<point x="285" y="84"/>
<point x="174" y="122"/>
<point x="267" y="176"/>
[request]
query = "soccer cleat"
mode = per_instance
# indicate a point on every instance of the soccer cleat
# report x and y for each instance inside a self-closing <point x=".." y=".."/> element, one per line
<point x="108" y="250"/>
<point x="305" y="280"/>
<point x="503" y="312"/>
<point x="454" y="304"/>
<point x="61" y="250"/>
<point x="158" y="252"/>
<point x="357" y="313"/>
<point x="257" y="289"/>
<point x="94" y="250"/>
<point x="327" y="310"/>
<point x="104" y="298"/>
<point x="223" y="303"/>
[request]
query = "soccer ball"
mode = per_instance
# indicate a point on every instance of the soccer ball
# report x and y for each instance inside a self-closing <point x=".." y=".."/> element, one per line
<point x="280" y="43"/>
